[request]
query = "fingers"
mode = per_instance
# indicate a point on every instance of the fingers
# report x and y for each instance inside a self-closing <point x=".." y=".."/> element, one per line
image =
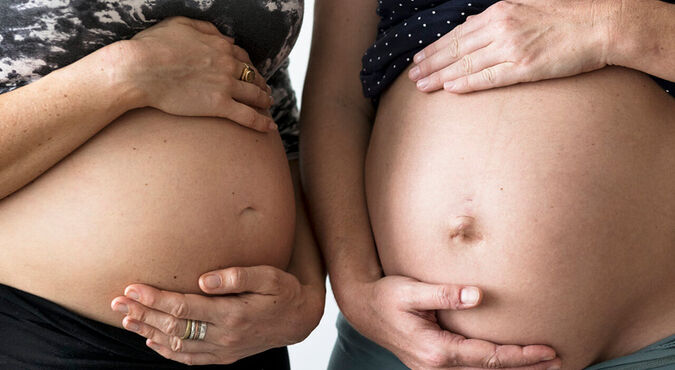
<point x="258" y="81"/>
<point x="503" y="74"/>
<point x="236" y="59"/>
<point x="483" y="354"/>
<point x="251" y="94"/>
<point x="469" y="64"/>
<point x="452" y="40"/>
<point x="447" y="56"/>
<point x="183" y="306"/>
<point x="207" y="28"/>
<point x="176" y="344"/>
<point x="167" y="324"/>
<point x="185" y="358"/>
<point x="246" y="116"/>
<point x="422" y="296"/>
<point x="241" y="54"/>
<point x="257" y="279"/>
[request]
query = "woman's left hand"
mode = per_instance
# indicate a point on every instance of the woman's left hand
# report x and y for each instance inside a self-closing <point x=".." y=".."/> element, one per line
<point x="518" y="41"/>
<point x="264" y="308"/>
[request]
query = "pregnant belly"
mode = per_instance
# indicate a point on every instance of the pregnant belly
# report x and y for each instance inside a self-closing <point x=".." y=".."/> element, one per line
<point x="154" y="199"/>
<point x="557" y="198"/>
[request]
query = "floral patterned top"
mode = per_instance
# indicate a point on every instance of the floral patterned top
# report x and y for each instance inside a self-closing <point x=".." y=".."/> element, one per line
<point x="39" y="36"/>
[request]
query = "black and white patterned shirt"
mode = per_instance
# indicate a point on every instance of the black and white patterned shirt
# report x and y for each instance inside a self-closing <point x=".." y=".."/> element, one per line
<point x="39" y="36"/>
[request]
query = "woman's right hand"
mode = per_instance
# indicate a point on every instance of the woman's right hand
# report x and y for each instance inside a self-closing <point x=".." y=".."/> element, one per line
<point x="186" y="67"/>
<point x="399" y="313"/>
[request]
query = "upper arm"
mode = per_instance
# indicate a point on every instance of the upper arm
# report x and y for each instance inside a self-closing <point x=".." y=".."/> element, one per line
<point x="343" y="30"/>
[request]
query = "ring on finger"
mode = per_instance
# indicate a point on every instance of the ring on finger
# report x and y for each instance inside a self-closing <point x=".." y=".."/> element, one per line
<point x="188" y="330"/>
<point x="247" y="74"/>
<point x="195" y="330"/>
<point x="202" y="330"/>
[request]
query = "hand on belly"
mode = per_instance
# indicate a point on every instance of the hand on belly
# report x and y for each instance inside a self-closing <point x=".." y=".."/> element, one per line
<point x="560" y="210"/>
<point x="154" y="199"/>
<point x="249" y="310"/>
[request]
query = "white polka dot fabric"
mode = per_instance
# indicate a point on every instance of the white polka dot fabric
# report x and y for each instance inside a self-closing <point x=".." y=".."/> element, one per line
<point x="407" y="26"/>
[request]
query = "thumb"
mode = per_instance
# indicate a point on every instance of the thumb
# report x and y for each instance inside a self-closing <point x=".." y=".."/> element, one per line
<point x="233" y="280"/>
<point x="428" y="297"/>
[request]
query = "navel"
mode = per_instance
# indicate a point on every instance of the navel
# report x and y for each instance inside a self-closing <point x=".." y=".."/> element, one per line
<point x="464" y="229"/>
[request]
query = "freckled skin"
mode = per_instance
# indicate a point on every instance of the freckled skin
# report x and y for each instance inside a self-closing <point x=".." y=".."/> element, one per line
<point x="106" y="217"/>
<point x="40" y="36"/>
<point x="104" y="214"/>
<point x="555" y="198"/>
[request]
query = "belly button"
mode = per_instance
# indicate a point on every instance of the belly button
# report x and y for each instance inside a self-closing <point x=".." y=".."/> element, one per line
<point x="463" y="229"/>
<point x="246" y="211"/>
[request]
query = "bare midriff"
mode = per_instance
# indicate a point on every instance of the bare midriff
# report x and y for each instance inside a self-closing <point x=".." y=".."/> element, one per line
<point x="557" y="198"/>
<point x="155" y="199"/>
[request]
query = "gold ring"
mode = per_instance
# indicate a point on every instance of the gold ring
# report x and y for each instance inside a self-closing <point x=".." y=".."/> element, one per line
<point x="188" y="330"/>
<point x="247" y="74"/>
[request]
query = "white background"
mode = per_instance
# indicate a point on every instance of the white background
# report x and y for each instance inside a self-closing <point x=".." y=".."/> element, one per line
<point x="314" y="352"/>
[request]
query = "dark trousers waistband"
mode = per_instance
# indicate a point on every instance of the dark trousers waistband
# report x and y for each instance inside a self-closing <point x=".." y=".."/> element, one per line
<point x="39" y="334"/>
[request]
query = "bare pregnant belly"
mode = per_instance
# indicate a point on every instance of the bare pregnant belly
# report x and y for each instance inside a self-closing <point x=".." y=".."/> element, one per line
<point x="154" y="199"/>
<point x="557" y="198"/>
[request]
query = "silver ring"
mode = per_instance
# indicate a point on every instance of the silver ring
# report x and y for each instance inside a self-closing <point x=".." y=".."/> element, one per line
<point x="193" y="329"/>
<point x="202" y="330"/>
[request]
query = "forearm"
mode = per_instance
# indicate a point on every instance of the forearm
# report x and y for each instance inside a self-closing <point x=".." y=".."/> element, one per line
<point x="336" y="123"/>
<point x="333" y="174"/>
<point x="43" y="122"/>
<point x="642" y="37"/>
<point x="306" y="263"/>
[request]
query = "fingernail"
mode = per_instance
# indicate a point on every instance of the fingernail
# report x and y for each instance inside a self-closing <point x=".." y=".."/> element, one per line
<point x="212" y="281"/>
<point x="448" y="85"/>
<point x="271" y="100"/>
<point x="423" y="83"/>
<point x="419" y="57"/>
<point x="269" y="89"/>
<point x="272" y="126"/>
<point x="120" y="307"/>
<point x="415" y="73"/>
<point x="469" y="295"/>
<point x="548" y="358"/>
<point x="133" y="295"/>
<point x="152" y="345"/>
<point x="132" y="326"/>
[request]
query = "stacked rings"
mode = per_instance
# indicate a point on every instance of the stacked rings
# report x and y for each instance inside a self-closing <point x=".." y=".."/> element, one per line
<point x="247" y="74"/>
<point x="195" y="330"/>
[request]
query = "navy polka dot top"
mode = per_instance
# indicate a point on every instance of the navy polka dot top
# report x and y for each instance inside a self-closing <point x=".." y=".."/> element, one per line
<point x="407" y="26"/>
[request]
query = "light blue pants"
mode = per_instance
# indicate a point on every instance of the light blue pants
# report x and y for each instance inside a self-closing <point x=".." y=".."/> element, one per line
<point x="353" y="351"/>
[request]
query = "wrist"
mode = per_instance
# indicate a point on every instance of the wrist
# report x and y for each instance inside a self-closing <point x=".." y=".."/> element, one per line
<point x="350" y="295"/>
<point x="625" y="36"/>
<point x="119" y="65"/>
